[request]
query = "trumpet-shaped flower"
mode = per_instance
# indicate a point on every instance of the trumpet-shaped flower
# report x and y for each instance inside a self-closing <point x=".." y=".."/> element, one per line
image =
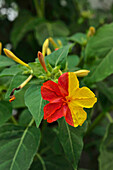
<point x="67" y="99"/>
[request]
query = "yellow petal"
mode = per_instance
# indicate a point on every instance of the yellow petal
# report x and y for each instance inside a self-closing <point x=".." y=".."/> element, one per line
<point x="83" y="97"/>
<point x="73" y="83"/>
<point x="78" y="115"/>
<point x="81" y="116"/>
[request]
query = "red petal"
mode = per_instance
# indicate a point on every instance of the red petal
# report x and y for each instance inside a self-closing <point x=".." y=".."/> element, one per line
<point x="68" y="117"/>
<point x="57" y="114"/>
<point x="50" y="91"/>
<point x="50" y="108"/>
<point x="63" y="82"/>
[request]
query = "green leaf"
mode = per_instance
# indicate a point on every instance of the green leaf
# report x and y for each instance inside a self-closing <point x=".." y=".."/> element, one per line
<point x="106" y="150"/>
<point x="37" y="68"/>
<point x="16" y="81"/>
<point x="71" y="139"/>
<point x="18" y="146"/>
<point x="103" y="69"/>
<point x="72" y="60"/>
<point x="79" y="38"/>
<point x="53" y="29"/>
<point x="56" y="162"/>
<point x="11" y="71"/>
<point x="25" y="117"/>
<point x="5" y="111"/>
<point x="19" y="101"/>
<point x="104" y="89"/>
<point x="58" y="57"/>
<point x="34" y="102"/>
<point x="24" y="23"/>
<point x="101" y="43"/>
<point x="5" y="61"/>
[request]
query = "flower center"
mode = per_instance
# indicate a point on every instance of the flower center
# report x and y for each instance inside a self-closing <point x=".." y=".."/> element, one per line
<point x="66" y="100"/>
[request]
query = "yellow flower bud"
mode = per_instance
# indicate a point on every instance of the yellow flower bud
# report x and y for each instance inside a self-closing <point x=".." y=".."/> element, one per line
<point x="53" y="42"/>
<point x="48" y="51"/>
<point x="0" y="48"/>
<point x="12" y="56"/>
<point x="60" y="43"/>
<point x="45" y="46"/>
<point x="91" y="31"/>
<point x="81" y="73"/>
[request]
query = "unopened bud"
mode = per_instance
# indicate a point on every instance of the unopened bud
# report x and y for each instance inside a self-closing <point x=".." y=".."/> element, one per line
<point x="0" y="48"/>
<point x="91" y="31"/>
<point x="81" y="73"/>
<point x="41" y="77"/>
<point x="45" y="46"/>
<point x="12" y="56"/>
<point x="42" y="62"/>
<point x="53" y="42"/>
<point x="56" y="49"/>
<point x="59" y="43"/>
<point x="48" y="51"/>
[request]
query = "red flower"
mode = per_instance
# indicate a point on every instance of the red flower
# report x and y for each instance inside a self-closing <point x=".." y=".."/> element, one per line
<point x="67" y="99"/>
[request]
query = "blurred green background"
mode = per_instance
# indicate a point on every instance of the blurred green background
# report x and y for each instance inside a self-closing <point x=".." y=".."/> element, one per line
<point x="24" y="25"/>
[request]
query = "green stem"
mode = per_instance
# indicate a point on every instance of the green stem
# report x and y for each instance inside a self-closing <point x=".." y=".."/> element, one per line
<point x="38" y="9"/>
<point x="96" y="122"/>
<point x="31" y="122"/>
<point x="42" y="161"/>
<point x="43" y="7"/>
<point x="109" y="117"/>
<point x="14" y="120"/>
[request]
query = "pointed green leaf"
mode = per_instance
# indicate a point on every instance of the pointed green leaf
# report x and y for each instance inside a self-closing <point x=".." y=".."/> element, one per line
<point x="103" y="69"/>
<point x="11" y="71"/>
<point x="58" y="57"/>
<point x="16" y="81"/>
<point x="79" y="38"/>
<point x="101" y="43"/>
<point x="18" y="146"/>
<point x="106" y="150"/>
<point x="5" y="61"/>
<point x="34" y="102"/>
<point x="71" y="139"/>
<point x="5" y="111"/>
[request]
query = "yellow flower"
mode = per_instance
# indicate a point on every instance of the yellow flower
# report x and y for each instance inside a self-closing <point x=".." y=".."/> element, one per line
<point x="67" y="99"/>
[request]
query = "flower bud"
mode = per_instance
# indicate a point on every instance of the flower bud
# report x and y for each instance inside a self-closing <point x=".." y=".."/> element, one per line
<point x="12" y="56"/>
<point x="42" y="62"/>
<point x="0" y="48"/>
<point x="53" y="42"/>
<point x="91" y="31"/>
<point x="81" y="73"/>
<point x="48" y="51"/>
<point x="60" y="43"/>
<point x="45" y="46"/>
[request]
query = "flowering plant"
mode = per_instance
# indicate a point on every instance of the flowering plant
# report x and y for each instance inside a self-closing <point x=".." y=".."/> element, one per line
<point x="47" y="107"/>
